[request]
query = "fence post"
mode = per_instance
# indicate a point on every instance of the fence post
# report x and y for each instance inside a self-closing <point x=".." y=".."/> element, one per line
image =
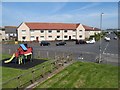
<point x="38" y="54"/>
<point x="55" y="55"/>
<point x="19" y="82"/>
<point x="32" y="76"/>
<point x="9" y="51"/>
<point x="47" y="54"/>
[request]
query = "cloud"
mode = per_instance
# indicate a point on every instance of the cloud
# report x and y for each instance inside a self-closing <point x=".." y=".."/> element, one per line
<point x="84" y="7"/>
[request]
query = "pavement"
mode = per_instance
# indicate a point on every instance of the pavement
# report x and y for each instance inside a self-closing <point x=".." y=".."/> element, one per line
<point x="88" y="52"/>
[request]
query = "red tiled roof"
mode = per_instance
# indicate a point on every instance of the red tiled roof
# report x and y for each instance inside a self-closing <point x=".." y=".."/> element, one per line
<point x="10" y="26"/>
<point x="88" y="28"/>
<point x="53" y="26"/>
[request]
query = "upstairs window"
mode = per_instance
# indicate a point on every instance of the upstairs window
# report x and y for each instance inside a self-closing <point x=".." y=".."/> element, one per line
<point x="50" y="31"/>
<point x="23" y="31"/>
<point x="58" y="31"/>
<point x="31" y="31"/>
<point x="42" y="31"/>
<point x="65" y="30"/>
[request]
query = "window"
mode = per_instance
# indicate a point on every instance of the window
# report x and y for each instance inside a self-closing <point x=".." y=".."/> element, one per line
<point x="80" y="36"/>
<point x="23" y="31"/>
<point x="32" y="38"/>
<point x="50" y="36"/>
<point x="80" y="30"/>
<point x="74" y="35"/>
<point x="42" y="31"/>
<point x="58" y="31"/>
<point x="23" y="38"/>
<point x="42" y="36"/>
<point x="31" y="31"/>
<point x="65" y="36"/>
<point x="58" y="36"/>
<point x="65" y="30"/>
<point x="50" y="31"/>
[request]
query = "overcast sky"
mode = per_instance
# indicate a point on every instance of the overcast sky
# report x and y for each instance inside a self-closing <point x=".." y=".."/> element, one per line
<point x="88" y="13"/>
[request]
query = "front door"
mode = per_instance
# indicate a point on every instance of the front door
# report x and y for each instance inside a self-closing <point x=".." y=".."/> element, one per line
<point x="37" y="38"/>
<point x="69" y="37"/>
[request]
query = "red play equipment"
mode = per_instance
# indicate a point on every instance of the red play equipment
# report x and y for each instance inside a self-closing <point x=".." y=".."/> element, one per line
<point x="23" y="54"/>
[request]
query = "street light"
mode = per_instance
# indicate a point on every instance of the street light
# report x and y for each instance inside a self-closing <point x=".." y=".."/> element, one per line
<point x="100" y="35"/>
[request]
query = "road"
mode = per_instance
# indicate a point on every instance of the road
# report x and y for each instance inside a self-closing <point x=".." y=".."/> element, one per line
<point x="109" y="50"/>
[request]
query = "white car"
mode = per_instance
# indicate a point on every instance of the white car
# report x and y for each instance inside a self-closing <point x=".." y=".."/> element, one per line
<point x="107" y="38"/>
<point x="91" y="41"/>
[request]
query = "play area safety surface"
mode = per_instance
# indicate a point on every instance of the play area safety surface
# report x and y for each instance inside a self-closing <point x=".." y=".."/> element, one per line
<point x="27" y="65"/>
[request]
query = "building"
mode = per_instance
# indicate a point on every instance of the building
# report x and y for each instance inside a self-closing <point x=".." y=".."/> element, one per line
<point x="10" y="32"/>
<point x="28" y="31"/>
<point x="2" y="34"/>
<point x="90" y="31"/>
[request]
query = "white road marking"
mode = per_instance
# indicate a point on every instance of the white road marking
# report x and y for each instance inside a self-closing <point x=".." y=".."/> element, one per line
<point x="110" y="54"/>
<point x="105" y="48"/>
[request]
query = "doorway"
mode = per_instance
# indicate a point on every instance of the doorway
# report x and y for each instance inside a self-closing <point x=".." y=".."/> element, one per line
<point x="37" y="38"/>
<point x="69" y="37"/>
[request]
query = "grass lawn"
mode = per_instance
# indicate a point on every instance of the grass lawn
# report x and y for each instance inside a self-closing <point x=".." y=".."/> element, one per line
<point x="84" y="75"/>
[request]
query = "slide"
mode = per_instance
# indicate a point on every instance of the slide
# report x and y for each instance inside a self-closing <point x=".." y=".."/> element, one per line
<point x="10" y="58"/>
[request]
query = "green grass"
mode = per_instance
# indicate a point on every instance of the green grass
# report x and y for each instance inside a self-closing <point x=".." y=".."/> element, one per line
<point x="84" y="75"/>
<point x="9" y="73"/>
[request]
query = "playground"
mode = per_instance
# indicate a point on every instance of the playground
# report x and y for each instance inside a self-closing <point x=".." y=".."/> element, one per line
<point x="27" y="65"/>
<point x="22" y="58"/>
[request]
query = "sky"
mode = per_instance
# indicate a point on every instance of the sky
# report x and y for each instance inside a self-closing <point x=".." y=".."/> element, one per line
<point x="88" y="13"/>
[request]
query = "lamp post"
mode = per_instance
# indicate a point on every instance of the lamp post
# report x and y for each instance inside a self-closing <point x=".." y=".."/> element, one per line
<point x="100" y="35"/>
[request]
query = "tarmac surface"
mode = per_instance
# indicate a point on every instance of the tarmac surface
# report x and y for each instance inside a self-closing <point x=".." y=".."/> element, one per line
<point x="27" y="65"/>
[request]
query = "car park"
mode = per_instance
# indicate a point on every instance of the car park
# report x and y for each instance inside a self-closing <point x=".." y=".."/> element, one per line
<point x="61" y="43"/>
<point x="44" y="43"/>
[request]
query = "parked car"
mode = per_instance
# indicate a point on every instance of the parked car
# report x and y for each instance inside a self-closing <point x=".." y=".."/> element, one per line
<point x="91" y="41"/>
<point x="115" y="38"/>
<point x="44" y="43"/>
<point x="61" y="43"/>
<point x="107" y="39"/>
<point x="80" y="42"/>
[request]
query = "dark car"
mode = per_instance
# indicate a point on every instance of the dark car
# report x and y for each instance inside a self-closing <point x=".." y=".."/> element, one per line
<point x="44" y="43"/>
<point x="80" y="42"/>
<point x="60" y="43"/>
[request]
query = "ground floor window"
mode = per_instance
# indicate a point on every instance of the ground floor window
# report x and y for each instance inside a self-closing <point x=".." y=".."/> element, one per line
<point x="65" y="36"/>
<point x="50" y="36"/>
<point x="23" y="38"/>
<point x="42" y="36"/>
<point x="32" y="38"/>
<point x="80" y="36"/>
<point x="74" y="35"/>
<point x="58" y="36"/>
